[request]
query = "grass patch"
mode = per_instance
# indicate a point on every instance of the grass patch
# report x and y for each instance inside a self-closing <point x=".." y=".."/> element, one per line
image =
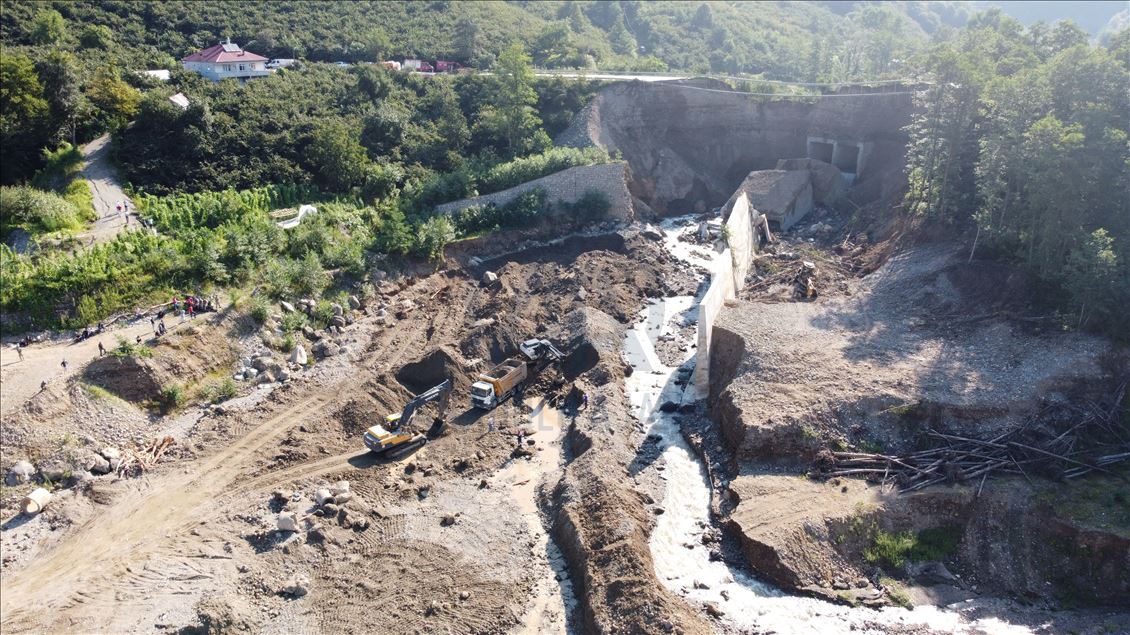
<point x="897" y="592"/>
<point x="893" y="550"/>
<point x="872" y="447"/>
<point x="98" y="392"/>
<point x="172" y="397"/>
<point x="220" y="390"/>
<point x="1098" y="502"/>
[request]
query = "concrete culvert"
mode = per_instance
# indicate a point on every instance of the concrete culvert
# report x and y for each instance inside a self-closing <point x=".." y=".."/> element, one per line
<point x="35" y="501"/>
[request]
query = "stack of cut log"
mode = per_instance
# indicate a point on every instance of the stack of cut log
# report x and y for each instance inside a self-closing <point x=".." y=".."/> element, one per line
<point x="1093" y="442"/>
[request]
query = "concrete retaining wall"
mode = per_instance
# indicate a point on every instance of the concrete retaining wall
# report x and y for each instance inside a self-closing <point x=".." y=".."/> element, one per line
<point x="566" y="186"/>
<point x="730" y="270"/>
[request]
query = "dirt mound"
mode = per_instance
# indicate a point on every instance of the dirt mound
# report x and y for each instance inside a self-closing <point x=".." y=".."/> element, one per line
<point x="593" y="342"/>
<point x="601" y="525"/>
<point x="218" y="617"/>
<point x="788" y="374"/>
<point x="181" y="357"/>
<point x="433" y="368"/>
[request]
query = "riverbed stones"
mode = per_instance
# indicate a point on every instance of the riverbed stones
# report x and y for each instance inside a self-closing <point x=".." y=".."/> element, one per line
<point x="295" y="586"/>
<point x="19" y="473"/>
<point x="298" y="355"/>
<point x="287" y="521"/>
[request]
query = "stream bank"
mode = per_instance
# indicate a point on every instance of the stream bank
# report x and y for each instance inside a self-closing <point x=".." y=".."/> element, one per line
<point x="681" y="541"/>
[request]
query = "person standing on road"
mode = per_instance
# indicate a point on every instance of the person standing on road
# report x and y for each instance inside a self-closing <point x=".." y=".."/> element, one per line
<point x="64" y="365"/>
<point x="586" y="401"/>
<point x="101" y="349"/>
<point x="490" y="424"/>
<point x="20" y="352"/>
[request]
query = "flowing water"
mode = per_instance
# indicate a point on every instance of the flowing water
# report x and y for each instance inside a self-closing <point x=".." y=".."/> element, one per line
<point x="681" y="560"/>
<point x="552" y="598"/>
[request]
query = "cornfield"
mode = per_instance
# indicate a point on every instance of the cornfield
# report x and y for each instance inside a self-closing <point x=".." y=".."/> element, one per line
<point x="212" y="209"/>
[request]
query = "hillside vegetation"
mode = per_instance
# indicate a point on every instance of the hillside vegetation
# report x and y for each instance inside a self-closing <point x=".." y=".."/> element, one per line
<point x="1020" y="144"/>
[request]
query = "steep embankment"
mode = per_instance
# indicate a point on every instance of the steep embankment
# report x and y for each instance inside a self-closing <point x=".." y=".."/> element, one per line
<point x="920" y="346"/>
<point x="690" y="143"/>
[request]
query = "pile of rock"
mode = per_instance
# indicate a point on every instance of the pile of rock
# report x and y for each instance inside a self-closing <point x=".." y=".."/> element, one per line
<point x="78" y="463"/>
<point x="332" y="503"/>
<point x="264" y="368"/>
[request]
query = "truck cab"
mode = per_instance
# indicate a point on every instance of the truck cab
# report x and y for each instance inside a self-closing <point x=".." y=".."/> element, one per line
<point x="482" y="395"/>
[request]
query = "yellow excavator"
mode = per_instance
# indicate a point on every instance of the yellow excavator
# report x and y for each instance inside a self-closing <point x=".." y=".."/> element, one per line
<point x="396" y="438"/>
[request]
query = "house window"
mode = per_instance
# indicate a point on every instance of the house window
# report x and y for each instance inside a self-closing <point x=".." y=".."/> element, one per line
<point x="227" y="67"/>
<point x="241" y="67"/>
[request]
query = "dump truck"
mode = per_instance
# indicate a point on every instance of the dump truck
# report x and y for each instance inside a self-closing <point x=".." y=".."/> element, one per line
<point x="497" y="384"/>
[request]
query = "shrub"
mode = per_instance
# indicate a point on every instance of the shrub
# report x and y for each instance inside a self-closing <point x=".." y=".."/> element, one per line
<point x="37" y="211"/>
<point x="260" y="310"/>
<point x="432" y="236"/>
<point x="221" y="390"/>
<point x="293" y="322"/>
<point x="524" y="211"/>
<point x="78" y="194"/>
<point x="890" y="550"/>
<point x="592" y="206"/>
<point x="172" y="397"/>
<point x="127" y="348"/>
<point x="521" y="170"/>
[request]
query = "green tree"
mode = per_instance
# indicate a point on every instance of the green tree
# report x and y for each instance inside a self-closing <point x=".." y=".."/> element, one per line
<point x="49" y="27"/>
<point x="432" y="236"/>
<point x="377" y="44"/>
<point x="514" y="100"/>
<point x="59" y="73"/>
<point x="96" y="36"/>
<point x="21" y="94"/>
<point x="117" y="100"/>
<point x="335" y="156"/>
<point x="553" y="46"/>
<point x="467" y="40"/>
<point x="943" y="144"/>
<point x="22" y="112"/>
<point x="1095" y="281"/>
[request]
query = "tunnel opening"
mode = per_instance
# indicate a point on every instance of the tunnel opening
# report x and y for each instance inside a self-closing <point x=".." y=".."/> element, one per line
<point x="820" y="151"/>
<point x="845" y="156"/>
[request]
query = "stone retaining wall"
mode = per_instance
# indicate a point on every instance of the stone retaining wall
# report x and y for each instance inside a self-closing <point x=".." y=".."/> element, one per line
<point x="566" y="186"/>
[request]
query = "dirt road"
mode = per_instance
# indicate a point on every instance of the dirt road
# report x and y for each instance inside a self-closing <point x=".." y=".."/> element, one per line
<point x="99" y="171"/>
<point x="20" y="379"/>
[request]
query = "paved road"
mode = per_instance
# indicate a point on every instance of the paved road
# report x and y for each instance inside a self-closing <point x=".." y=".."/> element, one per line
<point x="99" y="171"/>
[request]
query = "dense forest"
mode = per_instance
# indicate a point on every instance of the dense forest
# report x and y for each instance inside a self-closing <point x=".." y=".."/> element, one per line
<point x="1020" y="144"/>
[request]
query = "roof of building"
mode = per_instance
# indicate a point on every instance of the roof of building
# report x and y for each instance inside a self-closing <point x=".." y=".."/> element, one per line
<point x="224" y="52"/>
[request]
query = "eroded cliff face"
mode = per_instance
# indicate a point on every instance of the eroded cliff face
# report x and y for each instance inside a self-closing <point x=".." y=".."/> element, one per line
<point x="690" y="143"/>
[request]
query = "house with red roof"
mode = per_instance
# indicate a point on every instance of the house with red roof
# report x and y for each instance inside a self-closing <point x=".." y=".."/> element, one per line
<point x="226" y="60"/>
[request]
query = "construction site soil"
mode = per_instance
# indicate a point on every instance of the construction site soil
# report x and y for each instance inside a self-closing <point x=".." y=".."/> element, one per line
<point x="572" y="506"/>
<point x="434" y="542"/>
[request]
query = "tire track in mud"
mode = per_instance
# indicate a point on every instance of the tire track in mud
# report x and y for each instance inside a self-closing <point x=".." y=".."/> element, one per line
<point x="130" y="531"/>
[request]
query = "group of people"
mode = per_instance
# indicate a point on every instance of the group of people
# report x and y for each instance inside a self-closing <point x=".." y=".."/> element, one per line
<point x="88" y="332"/>
<point x="122" y="207"/>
